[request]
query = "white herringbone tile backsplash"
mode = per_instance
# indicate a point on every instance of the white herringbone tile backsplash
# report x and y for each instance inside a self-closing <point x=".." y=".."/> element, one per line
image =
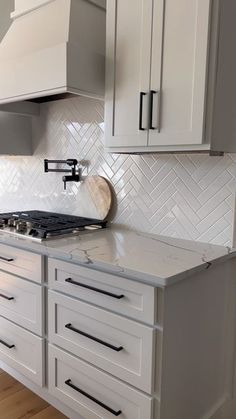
<point x="187" y="196"/>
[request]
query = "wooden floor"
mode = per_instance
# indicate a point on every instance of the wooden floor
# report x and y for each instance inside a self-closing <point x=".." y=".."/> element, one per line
<point x="17" y="402"/>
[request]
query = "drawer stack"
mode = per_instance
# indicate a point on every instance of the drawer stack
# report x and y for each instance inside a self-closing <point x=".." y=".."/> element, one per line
<point x="21" y="312"/>
<point x="102" y="342"/>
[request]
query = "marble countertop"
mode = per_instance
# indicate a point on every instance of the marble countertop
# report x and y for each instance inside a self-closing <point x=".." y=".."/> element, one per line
<point x="152" y="259"/>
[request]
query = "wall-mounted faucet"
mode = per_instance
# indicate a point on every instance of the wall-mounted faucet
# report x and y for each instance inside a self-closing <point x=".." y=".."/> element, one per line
<point x="75" y="171"/>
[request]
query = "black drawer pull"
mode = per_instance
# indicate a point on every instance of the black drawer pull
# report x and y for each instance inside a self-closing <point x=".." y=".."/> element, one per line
<point x="141" y="96"/>
<point x="108" y="345"/>
<point x="6" y="298"/>
<point x="110" y="294"/>
<point x="6" y="344"/>
<point x="104" y="406"/>
<point x="6" y="259"/>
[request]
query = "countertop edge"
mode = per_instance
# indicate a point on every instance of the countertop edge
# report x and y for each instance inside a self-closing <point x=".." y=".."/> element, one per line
<point x="115" y="269"/>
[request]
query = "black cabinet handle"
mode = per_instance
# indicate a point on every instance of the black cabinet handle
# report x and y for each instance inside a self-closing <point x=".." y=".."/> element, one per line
<point x="108" y="345"/>
<point x="7" y="344"/>
<point x="110" y="294"/>
<point x="152" y="93"/>
<point x="6" y="259"/>
<point x="141" y="96"/>
<point x="103" y="405"/>
<point x="6" y="298"/>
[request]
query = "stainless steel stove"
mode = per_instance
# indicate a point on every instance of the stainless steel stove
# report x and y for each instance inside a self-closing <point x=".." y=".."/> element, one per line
<point x="43" y="225"/>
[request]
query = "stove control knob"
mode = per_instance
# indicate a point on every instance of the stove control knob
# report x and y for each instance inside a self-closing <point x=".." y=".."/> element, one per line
<point x="12" y="222"/>
<point x="21" y="226"/>
<point x="2" y="222"/>
<point x="29" y="225"/>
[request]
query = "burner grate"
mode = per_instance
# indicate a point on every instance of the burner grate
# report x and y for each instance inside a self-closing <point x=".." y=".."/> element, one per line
<point x="45" y="224"/>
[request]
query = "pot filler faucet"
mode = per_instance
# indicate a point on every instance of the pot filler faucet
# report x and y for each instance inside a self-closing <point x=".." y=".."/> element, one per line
<point x="75" y="171"/>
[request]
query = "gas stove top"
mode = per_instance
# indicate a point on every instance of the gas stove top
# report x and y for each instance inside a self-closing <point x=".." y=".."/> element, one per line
<point x="43" y="225"/>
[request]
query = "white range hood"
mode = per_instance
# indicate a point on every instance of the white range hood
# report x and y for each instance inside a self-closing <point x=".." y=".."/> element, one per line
<point x="53" y="48"/>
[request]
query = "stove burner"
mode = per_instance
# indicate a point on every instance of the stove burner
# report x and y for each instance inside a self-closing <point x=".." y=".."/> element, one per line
<point x="43" y="225"/>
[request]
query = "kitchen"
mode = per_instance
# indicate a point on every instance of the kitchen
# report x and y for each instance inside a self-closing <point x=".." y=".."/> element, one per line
<point x="117" y="209"/>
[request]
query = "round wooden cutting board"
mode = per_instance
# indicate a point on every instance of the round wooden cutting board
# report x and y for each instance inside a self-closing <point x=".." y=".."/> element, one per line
<point x="94" y="198"/>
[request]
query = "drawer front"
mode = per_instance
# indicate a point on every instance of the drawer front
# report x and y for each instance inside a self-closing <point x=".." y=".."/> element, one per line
<point x="22" y="351"/>
<point x="120" y="346"/>
<point x="21" y="302"/>
<point x="92" y="393"/>
<point x="20" y="262"/>
<point x="121" y="295"/>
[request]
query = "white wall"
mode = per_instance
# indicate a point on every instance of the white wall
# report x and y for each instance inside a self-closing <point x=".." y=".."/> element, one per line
<point x="188" y="196"/>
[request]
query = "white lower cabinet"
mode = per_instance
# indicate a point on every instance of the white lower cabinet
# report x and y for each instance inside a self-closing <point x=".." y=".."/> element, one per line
<point x="93" y="393"/>
<point x="22" y="307"/>
<point x="21" y="263"/>
<point x="22" y="302"/>
<point x="120" y="346"/>
<point x="22" y="351"/>
<point x="119" y="357"/>
<point x="129" y="298"/>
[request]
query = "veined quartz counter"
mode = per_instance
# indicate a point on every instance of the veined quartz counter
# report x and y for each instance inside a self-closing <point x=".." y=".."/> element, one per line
<point x="151" y="259"/>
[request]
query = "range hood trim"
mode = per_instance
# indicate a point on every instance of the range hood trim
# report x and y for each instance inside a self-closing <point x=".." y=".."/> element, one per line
<point x="16" y="14"/>
<point x="21" y="108"/>
<point x="50" y="92"/>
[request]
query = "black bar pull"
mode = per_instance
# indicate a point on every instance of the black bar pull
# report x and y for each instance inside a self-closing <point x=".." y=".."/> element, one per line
<point x="6" y="298"/>
<point x="108" y="345"/>
<point x="103" y="405"/>
<point x="142" y="94"/>
<point x="6" y="259"/>
<point x="152" y="93"/>
<point x="7" y="344"/>
<point x="109" y="294"/>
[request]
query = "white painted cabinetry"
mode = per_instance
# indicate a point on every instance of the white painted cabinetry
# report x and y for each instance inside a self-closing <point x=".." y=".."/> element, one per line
<point x="22" y="302"/>
<point x="22" y="350"/>
<point x="22" y="346"/>
<point x="128" y="72"/>
<point x="166" y="63"/>
<point x="131" y="299"/>
<point x="110" y="354"/>
<point x="111" y="342"/>
<point x="178" y="72"/>
<point x="102" y="395"/>
<point x="183" y="360"/>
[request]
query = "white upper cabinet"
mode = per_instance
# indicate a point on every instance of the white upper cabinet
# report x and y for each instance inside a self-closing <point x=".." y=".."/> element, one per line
<point x="164" y="75"/>
<point x="178" y="105"/>
<point x="128" y="71"/>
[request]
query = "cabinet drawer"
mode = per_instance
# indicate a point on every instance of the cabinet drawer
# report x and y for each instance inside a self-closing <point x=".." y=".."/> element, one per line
<point x="75" y="382"/>
<point x="20" y="262"/>
<point x="22" y="351"/>
<point x="121" y="295"/>
<point x="21" y="302"/>
<point x="120" y="346"/>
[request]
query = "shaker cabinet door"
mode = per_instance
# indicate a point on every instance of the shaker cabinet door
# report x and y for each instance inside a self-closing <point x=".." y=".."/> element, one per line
<point x="178" y="89"/>
<point x="129" y="26"/>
